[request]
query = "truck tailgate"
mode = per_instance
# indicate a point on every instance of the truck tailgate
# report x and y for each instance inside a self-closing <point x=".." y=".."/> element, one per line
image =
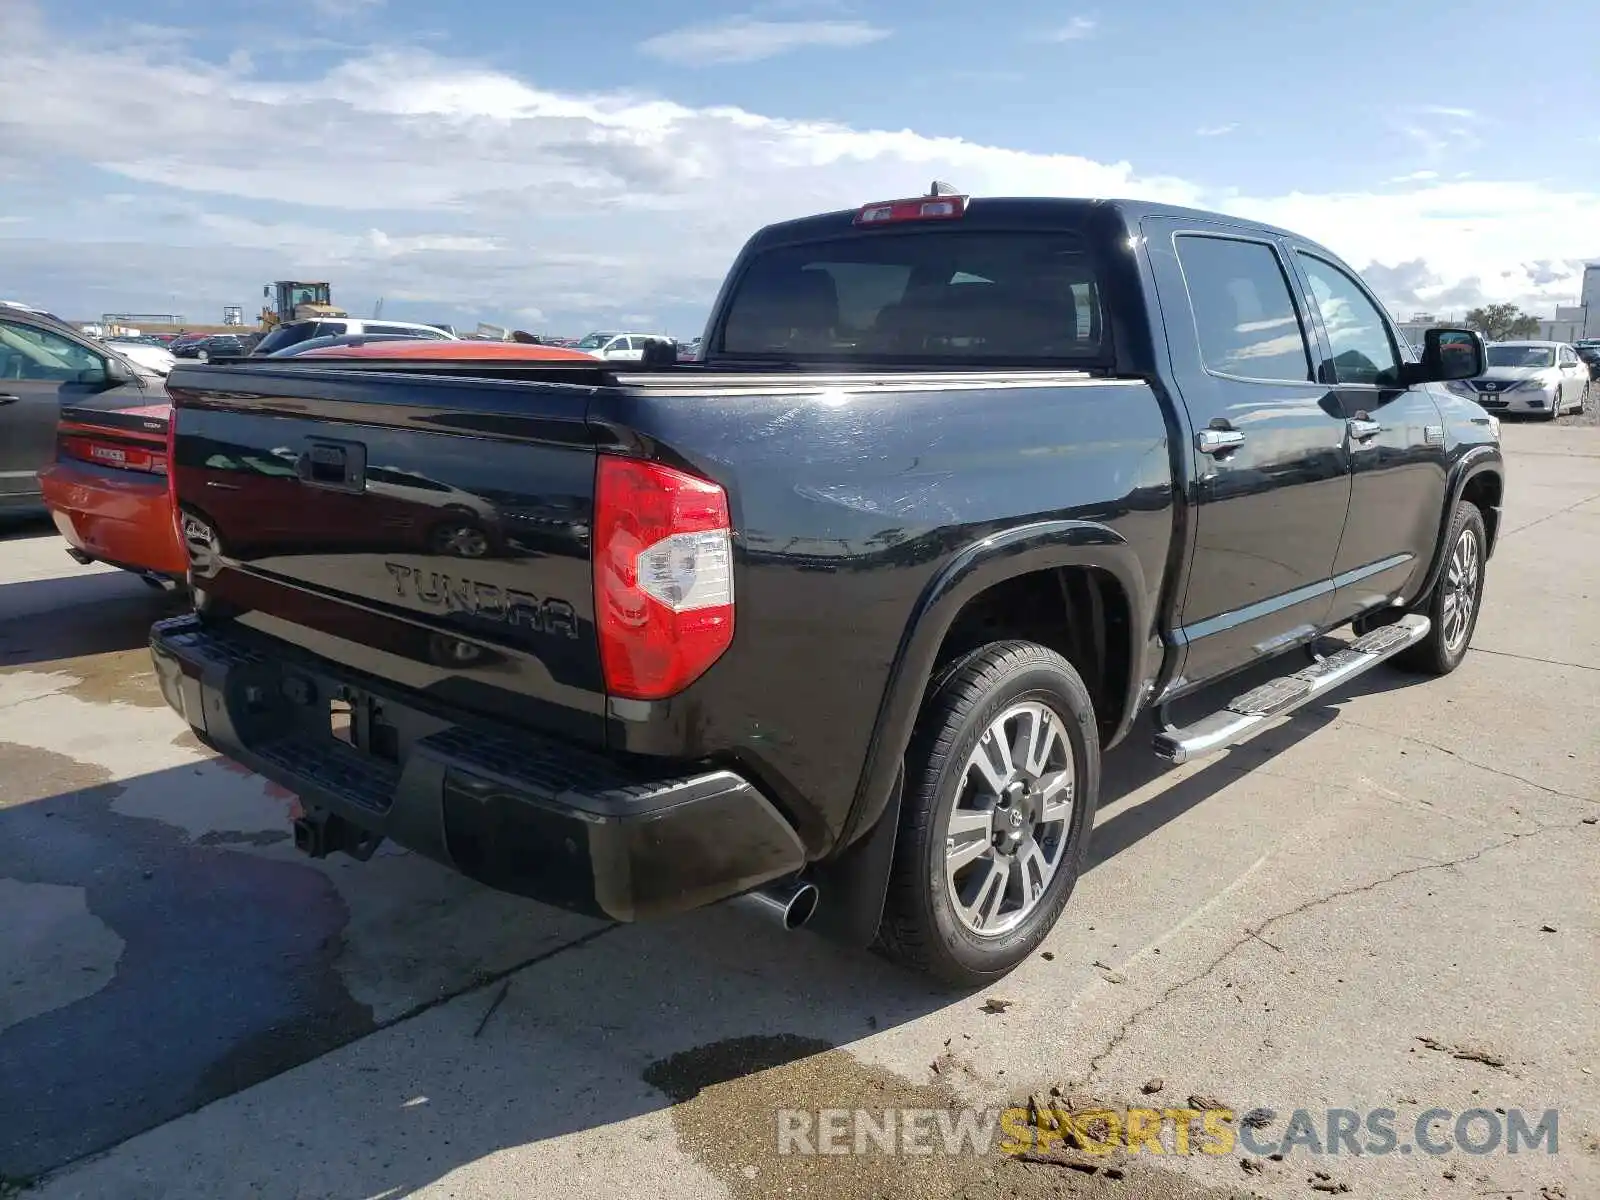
<point x="434" y="532"/>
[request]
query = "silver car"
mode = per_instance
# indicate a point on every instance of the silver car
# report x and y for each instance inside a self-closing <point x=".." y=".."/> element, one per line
<point x="1541" y="378"/>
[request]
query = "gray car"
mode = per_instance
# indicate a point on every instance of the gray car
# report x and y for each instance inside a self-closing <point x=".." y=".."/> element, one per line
<point x="44" y="362"/>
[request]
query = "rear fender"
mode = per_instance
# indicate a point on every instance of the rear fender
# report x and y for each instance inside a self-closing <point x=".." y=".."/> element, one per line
<point x="852" y="882"/>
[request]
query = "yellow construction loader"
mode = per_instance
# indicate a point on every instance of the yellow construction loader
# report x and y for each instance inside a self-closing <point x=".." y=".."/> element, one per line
<point x="295" y="300"/>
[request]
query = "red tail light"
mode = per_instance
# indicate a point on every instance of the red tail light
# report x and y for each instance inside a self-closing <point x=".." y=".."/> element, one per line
<point x="923" y="208"/>
<point x="663" y="577"/>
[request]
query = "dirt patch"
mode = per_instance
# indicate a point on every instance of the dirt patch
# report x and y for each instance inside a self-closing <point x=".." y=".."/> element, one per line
<point x="120" y="677"/>
<point x="728" y="1098"/>
<point x="1466" y="1053"/>
<point x="28" y="774"/>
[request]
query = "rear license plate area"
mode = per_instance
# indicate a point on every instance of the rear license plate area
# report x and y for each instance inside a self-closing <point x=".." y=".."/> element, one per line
<point x="357" y="720"/>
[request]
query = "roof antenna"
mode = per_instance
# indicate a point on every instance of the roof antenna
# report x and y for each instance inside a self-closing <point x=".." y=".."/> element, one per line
<point x="941" y="188"/>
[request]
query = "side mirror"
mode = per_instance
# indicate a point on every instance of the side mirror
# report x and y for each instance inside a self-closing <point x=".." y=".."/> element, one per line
<point x="112" y="373"/>
<point x="1449" y="354"/>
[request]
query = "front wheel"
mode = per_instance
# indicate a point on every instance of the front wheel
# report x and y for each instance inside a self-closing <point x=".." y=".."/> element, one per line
<point x="1453" y="604"/>
<point x="1002" y="778"/>
<point x="1555" y="408"/>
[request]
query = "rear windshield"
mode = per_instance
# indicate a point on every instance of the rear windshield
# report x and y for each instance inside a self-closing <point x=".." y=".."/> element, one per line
<point x="940" y="297"/>
<point x="287" y="335"/>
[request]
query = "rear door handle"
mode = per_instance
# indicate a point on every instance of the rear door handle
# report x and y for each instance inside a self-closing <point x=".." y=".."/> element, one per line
<point x="1364" y="428"/>
<point x="1218" y="441"/>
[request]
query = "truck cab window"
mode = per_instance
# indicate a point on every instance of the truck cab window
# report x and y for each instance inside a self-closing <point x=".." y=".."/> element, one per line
<point x="1244" y="310"/>
<point x="1358" y="333"/>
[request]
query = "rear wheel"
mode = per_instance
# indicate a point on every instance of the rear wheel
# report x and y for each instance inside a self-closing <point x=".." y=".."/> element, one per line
<point x="1453" y="604"/>
<point x="1002" y="778"/>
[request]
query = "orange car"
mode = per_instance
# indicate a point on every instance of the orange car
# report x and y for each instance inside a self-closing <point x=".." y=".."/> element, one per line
<point x="107" y="489"/>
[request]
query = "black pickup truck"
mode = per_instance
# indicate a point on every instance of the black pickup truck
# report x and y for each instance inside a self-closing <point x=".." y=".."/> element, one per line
<point x="841" y="618"/>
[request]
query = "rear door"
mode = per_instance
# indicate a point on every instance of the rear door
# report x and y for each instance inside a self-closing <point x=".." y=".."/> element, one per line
<point x="1394" y="435"/>
<point x="38" y="369"/>
<point x="1270" y="469"/>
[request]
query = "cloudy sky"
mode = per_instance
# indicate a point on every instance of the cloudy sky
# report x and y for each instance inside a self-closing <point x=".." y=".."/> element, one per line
<point x="579" y="165"/>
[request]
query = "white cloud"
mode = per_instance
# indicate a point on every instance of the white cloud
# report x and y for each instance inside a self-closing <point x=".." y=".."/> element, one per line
<point x="1441" y="132"/>
<point x="747" y="39"/>
<point x="441" y="182"/>
<point x="1217" y="130"/>
<point x="1076" y="30"/>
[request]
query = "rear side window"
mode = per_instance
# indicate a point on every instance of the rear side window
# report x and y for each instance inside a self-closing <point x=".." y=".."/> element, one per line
<point x="924" y="296"/>
<point x="1243" y="310"/>
<point x="405" y="331"/>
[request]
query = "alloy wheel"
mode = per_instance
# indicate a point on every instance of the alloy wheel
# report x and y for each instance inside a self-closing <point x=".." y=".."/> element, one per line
<point x="1010" y="824"/>
<point x="1461" y="590"/>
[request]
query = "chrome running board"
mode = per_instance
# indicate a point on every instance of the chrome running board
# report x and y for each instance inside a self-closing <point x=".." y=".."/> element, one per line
<point x="1245" y="716"/>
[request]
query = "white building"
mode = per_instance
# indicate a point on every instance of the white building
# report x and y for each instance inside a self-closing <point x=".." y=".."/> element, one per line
<point x="1575" y="322"/>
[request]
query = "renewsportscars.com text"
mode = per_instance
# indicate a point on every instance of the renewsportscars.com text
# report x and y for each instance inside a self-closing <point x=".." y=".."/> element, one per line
<point x="1179" y="1131"/>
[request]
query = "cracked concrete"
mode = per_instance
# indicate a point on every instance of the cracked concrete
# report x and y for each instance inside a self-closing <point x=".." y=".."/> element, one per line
<point x="1257" y="932"/>
<point x="1292" y="926"/>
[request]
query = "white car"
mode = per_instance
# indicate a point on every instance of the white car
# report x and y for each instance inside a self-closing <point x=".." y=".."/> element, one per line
<point x="303" y="331"/>
<point x="621" y="347"/>
<point x="156" y="358"/>
<point x="1542" y="378"/>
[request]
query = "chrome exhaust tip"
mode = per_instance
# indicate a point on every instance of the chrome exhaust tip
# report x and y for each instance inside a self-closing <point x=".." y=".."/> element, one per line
<point x="791" y="904"/>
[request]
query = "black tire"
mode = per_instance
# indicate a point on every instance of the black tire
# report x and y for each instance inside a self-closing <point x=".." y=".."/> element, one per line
<point x="920" y="928"/>
<point x="1555" y="407"/>
<point x="1436" y="654"/>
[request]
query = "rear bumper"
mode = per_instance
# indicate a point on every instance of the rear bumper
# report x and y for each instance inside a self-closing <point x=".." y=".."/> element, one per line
<point x="514" y="810"/>
<point x="118" y="517"/>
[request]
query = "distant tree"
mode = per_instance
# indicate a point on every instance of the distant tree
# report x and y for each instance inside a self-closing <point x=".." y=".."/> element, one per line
<point x="1503" y="322"/>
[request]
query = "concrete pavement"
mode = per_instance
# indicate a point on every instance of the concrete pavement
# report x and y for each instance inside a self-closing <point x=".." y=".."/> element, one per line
<point x="1386" y="902"/>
